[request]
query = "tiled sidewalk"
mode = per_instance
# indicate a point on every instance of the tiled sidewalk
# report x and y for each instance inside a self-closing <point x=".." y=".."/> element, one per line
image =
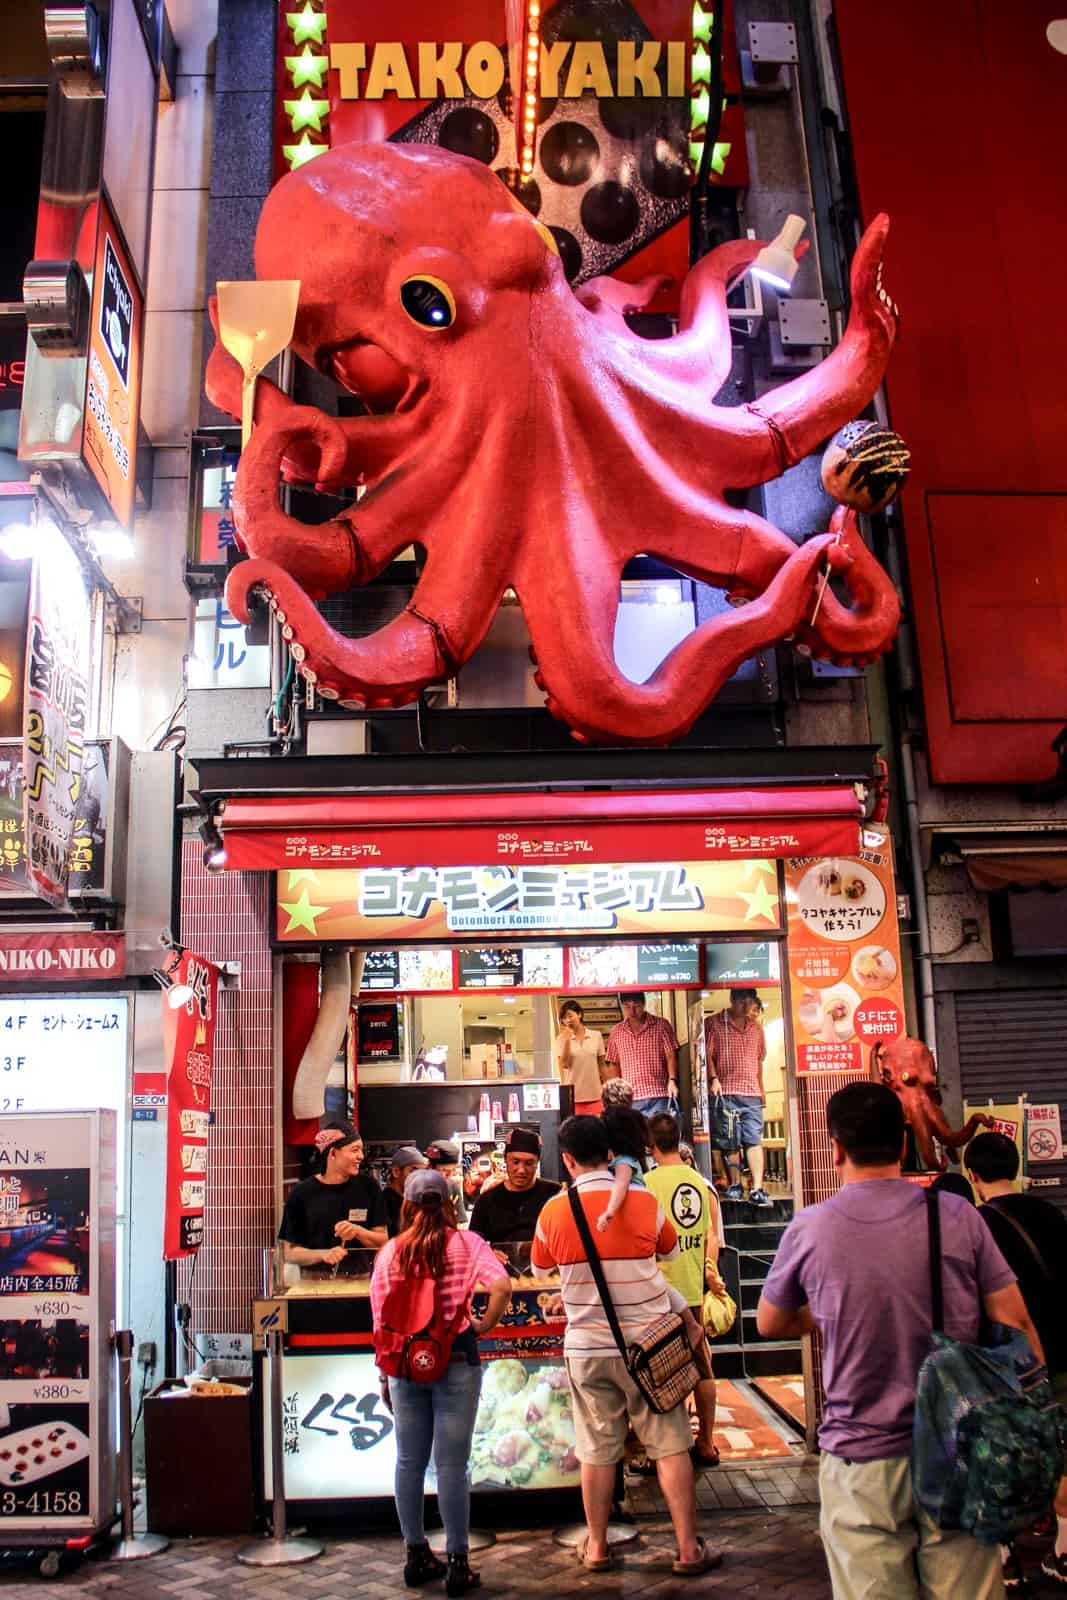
<point x="766" y="1553"/>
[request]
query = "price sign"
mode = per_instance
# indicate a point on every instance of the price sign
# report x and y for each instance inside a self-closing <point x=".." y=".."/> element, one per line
<point x="381" y="969"/>
<point x="668" y="963"/>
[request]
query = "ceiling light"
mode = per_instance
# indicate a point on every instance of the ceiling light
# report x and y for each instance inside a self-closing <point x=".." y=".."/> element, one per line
<point x="110" y="542"/>
<point x="776" y="263"/>
<point x="18" y="541"/>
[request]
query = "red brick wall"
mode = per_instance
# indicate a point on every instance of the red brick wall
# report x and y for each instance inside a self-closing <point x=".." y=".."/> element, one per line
<point x="226" y="917"/>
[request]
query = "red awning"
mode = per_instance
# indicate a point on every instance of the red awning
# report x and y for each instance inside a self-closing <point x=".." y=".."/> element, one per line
<point x="465" y="829"/>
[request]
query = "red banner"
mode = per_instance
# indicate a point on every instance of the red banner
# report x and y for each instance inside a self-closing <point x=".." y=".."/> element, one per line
<point x="59" y="955"/>
<point x="191" y="1035"/>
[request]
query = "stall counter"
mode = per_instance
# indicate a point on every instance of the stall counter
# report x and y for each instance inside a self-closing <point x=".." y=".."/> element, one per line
<point x="340" y="1442"/>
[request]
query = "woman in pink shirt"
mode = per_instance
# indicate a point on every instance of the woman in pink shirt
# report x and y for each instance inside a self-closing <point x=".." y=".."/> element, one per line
<point x="438" y="1417"/>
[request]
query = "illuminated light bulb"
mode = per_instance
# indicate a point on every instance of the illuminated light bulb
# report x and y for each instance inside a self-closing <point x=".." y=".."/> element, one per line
<point x="111" y="543"/>
<point x="178" y="995"/>
<point x="18" y="541"/>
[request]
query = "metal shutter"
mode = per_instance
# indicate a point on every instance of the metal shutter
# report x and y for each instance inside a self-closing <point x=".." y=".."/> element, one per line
<point x="1012" y="1042"/>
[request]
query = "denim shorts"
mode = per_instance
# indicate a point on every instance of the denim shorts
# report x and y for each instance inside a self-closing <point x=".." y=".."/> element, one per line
<point x="749" y="1108"/>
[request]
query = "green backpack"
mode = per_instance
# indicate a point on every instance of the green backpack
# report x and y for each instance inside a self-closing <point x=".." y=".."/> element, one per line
<point x="988" y="1437"/>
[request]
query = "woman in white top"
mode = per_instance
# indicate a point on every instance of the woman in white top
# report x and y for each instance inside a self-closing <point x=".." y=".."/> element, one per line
<point x="581" y="1059"/>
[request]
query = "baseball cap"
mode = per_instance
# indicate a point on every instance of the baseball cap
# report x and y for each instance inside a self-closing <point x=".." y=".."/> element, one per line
<point x="423" y="1182"/>
<point x="407" y="1156"/>
<point x="442" y="1150"/>
<point x="524" y="1141"/>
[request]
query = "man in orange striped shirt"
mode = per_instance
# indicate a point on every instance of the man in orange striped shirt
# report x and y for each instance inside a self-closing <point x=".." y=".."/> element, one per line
<point x="605" y="1398"/>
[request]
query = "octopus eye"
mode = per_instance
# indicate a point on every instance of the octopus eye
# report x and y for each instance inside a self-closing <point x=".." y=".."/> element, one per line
<point x="428" y="302"/>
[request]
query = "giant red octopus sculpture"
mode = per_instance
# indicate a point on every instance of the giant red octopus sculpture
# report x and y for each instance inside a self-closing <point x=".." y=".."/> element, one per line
<point x="526" y="438"/>
<point x="907" y="1067"/>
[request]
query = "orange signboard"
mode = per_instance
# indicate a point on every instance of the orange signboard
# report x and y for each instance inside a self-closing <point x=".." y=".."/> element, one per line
<point x="844" y="955"/>
<point x="384" y="905"/>
<point x="113" y="388"/>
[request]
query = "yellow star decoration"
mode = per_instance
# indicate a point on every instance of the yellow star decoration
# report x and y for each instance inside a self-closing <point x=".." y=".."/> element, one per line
<point x="306" y="112"/>
<point x="301" y="912"/>
<point x="760" y="902"/>
<point x="306" y="24"/>
<point x="306" y="68"/>
<point x="298" y="155"/>
<point x="301" y="875"/>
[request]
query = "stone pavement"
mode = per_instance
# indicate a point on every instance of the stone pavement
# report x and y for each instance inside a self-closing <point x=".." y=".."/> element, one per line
<point x="775" y="1553"/>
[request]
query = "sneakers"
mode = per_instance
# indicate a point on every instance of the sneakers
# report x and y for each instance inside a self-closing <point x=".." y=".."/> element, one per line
<point x="734" y="1192"/>
<point x="1054" y="1566"/>
<point x="760" y="1197"/>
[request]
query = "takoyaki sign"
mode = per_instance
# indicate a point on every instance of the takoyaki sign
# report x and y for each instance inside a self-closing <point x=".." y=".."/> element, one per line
<point x="425" y="70"/>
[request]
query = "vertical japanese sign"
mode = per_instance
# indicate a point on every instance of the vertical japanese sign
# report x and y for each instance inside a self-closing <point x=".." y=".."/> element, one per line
<point x="844" y="955"/>
<point x="114" y="380"/>
<point x="58" y="646"/>
<point x="192" y="1049"/>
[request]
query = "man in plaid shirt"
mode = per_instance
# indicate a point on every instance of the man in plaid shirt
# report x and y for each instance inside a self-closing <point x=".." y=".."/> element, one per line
<point x="734" y="1047"/>
<point x="644" y="1047"/>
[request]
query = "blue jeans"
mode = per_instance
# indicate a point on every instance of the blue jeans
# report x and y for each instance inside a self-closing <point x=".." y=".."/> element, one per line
<point x="653" y="1106"/>
<point x="438" y="1416"/>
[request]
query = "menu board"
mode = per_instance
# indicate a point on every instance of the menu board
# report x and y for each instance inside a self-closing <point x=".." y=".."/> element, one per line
<point x="741" y="963"/>
<point x="511" y="967"/>
<point x="618" y="966"/>
<point x="381" y="969"/>
<point x="425" y="969"/>
<point x="383" y="905"/>
<point x="56" y="1279"/>
<point x="844" y="955"/>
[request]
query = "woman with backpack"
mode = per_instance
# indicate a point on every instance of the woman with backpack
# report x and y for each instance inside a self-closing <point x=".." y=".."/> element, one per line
<point x="426" y="1347"/>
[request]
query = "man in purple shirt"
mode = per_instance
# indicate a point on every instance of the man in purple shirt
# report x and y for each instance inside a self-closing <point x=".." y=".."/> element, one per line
<point x="857" y="1268"/>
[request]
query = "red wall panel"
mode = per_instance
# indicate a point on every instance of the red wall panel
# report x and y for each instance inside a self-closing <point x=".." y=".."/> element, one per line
<point x="956" y="114"/>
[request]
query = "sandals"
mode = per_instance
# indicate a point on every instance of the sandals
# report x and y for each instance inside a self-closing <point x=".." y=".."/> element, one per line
<point x="704" y="1562"/>
<point x="701" y="1459"/>
<point x="600" y="1564"/>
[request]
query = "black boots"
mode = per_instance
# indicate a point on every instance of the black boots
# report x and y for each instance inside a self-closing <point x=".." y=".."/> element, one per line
<point x="460" y="1576"/>
<point x="422" y="1566"/>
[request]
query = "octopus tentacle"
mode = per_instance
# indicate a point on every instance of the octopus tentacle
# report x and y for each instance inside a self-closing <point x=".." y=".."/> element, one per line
<point x="790" y="422"/>
<point x="863" y="631"/>
<point x="388" y="668"/>
<point x="326" y="557"/>
<point x="578" y="670"/>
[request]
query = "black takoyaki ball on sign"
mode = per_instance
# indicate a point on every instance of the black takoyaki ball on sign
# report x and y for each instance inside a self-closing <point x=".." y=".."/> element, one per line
<point x="469" y="132"/>
<point x="864" y="466"/>
<point x="610" y="212"/>
<point x="569" y="153"/>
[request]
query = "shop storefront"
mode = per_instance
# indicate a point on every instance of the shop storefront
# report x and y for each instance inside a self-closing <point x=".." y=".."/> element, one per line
<point x="468" y="912"/>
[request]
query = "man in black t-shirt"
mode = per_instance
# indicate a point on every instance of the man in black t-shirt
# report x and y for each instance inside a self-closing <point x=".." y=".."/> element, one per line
<point x="508" y="1212"/>
<point x="336" y="1208"/>
<point x="1032" y="1237"/>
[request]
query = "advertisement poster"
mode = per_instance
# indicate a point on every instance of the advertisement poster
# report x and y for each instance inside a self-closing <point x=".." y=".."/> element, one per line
<point x="49" y="1403"/>
<point x="114" y="381"/>
<point x="87" y="860"/>
<point x="192" y="1044"/>
<point x="58" y="645"/>
<point x="375" y="905"/>
<point x="1009" y="1118"/>
<point x="844" y="956"/>
<point x="378" y="1032"/>
<point x="613" y="127"/>
<point x="340" y="1439"/>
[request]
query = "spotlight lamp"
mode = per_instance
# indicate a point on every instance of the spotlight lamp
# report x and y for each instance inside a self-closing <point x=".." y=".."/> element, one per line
<point x="776" y="263"/>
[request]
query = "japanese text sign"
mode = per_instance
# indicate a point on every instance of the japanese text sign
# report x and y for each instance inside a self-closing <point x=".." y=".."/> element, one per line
<point x="192" y="1047"/>
<point x="113" y="391"/>
<point x="375" y="905"/>
<point x="58" y="645"/>
<point x="1044" y="1133"/>
<point x="844" y="955"/>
